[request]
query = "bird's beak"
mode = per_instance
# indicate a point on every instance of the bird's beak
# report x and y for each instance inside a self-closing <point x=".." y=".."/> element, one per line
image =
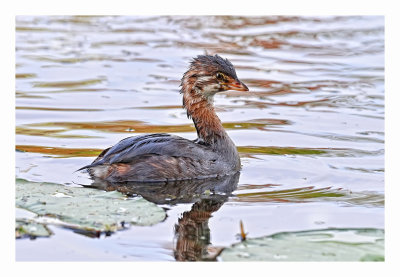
<point x="237" y="85"/>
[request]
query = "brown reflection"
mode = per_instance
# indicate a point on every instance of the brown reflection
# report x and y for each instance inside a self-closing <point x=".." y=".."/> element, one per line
<point x="59" y="151"/>
<point x="111" y="126"/>
<point x="308" y="194"/>
<point x="267" y="44"/>
<point x="192" y="233"/>
<point x="271" y="87"/>
<point x="296" y="195"/>
<point x="244" y="151"/>
<point x="56" y="109"/>
<point x="175" y="192"/>
<point x="262" y="105"/>
<point x="121" y="126"/>
<point x="67" y="84"/>
<point x="262" y="83"/>
<point x="243" y="22"/>
<point x="24" y="75"/>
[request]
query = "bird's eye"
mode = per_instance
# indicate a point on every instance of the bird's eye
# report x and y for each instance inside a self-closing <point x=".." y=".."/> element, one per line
<point x="220" y="76"/>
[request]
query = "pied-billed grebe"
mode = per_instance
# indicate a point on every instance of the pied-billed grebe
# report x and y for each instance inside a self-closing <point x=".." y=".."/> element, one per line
<point x="164" y="157"/>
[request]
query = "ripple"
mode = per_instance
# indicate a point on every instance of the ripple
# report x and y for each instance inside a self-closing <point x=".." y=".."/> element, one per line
<point x="122" y="126"/>
<point x="311" y="194"/>
<point x="68" y="84"/>
<point x="57" y="109"/>
<point x="25" y="75"/>
<point x="262" y="150"/>
<point x="59" y="151"/>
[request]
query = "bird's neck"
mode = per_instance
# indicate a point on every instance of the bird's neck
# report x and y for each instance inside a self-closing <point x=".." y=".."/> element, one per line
<point x="201" y="110"/>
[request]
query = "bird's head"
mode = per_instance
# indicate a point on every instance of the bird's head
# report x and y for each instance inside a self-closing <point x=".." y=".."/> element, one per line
<point x="208" y="75"/>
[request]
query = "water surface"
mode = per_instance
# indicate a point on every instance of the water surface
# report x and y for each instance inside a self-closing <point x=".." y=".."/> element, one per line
<point x="310" y="132"/>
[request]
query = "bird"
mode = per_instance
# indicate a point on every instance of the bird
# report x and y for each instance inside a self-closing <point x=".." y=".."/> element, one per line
<point x="164" y="157"/>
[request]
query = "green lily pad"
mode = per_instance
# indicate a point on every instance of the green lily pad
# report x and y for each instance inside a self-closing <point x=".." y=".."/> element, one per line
<point x="29" y="228"/>
<point x="86" y="208"/>
<point x="315" y="245"/>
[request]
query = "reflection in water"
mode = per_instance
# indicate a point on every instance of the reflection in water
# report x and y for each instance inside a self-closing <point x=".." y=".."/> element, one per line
<point x="192" y="233"/>
<point x="174" y="192"/>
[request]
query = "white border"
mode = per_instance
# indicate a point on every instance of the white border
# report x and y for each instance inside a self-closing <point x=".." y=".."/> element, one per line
<point x="249" y="7"/>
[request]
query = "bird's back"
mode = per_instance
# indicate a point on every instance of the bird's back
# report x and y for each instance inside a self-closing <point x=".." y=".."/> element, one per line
<point x="159" y="157"/>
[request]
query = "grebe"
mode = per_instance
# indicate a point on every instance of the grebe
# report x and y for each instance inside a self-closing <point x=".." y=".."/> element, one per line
<point x="165" y="157"/>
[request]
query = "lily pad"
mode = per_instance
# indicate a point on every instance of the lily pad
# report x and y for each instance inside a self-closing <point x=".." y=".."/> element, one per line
<point x="315" y="245"/>
<point x="86" y="208"/>
<point x="29" y="228"/>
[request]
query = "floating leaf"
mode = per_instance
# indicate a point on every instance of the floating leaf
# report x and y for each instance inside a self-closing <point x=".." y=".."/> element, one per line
<point x="85" y="208"/>
<point x="315" y="245"/>
<point x="30" y="228"/>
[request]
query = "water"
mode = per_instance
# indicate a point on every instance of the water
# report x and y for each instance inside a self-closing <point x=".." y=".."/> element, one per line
<point x="310" y="131"/>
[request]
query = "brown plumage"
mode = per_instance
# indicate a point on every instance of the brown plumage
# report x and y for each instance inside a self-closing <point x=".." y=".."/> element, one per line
<point x="164" y="157"/>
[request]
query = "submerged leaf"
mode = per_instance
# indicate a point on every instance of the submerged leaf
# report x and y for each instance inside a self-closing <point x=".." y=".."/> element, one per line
<point x="315" y="245"/>
<point x="85" y="208"/>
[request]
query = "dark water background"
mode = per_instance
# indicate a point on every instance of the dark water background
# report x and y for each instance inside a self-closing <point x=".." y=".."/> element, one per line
<point x="310" y="131"/>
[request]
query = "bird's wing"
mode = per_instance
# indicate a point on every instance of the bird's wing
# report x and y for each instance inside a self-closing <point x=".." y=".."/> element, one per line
<point x="131" y="148"/>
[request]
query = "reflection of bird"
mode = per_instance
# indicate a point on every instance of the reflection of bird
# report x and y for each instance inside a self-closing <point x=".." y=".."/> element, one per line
<point x="185" y="191"/>
<point x="192" y="232"/>
<point x="164" y="157"/>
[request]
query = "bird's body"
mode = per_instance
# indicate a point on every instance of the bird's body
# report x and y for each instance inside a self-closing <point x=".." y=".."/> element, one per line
<point x="164" y="157"/>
